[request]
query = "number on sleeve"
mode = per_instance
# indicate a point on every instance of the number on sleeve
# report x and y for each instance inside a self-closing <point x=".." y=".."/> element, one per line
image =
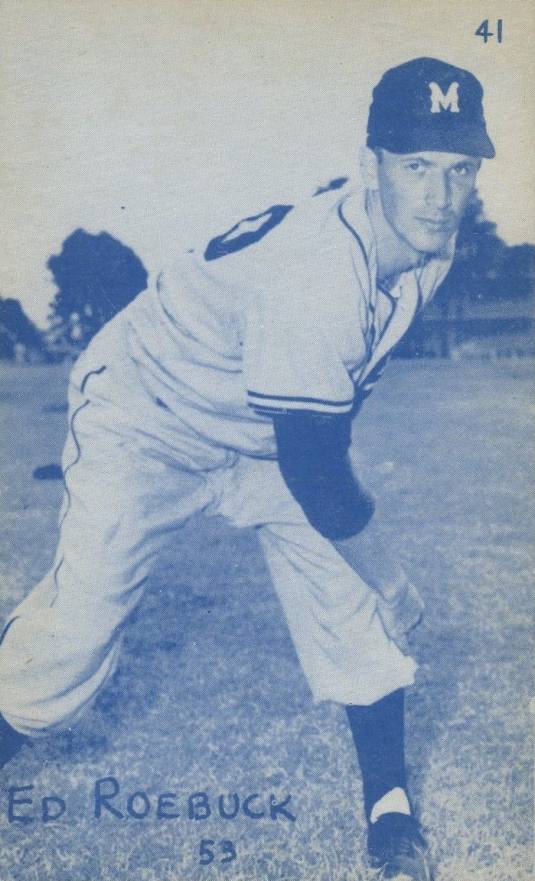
<point x="246" y="232"/>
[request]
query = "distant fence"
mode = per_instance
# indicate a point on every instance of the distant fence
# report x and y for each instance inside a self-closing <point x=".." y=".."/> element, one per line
<point x="461" y="335"/>
<point x="443" y="330"/>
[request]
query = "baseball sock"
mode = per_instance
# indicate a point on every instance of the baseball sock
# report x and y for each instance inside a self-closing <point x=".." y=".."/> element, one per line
<point x="379" y="734"/>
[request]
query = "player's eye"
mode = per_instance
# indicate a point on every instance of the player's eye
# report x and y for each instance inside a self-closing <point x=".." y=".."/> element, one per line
<point x="414" y="165"/>
<point x="463" y="169"/>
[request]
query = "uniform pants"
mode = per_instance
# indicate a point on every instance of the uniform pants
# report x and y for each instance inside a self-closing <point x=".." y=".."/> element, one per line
<point x="133" y="474"/>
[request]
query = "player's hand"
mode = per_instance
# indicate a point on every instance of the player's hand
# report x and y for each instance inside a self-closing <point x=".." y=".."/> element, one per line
<point x="369" y="553"/>
<point x="399" y="604"/>
<point x="401" y="613"/>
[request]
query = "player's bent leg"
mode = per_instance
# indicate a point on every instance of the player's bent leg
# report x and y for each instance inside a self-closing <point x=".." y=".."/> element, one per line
<point x="348" y="657"/>
<point x="332" y="614"/>
<point x="344" y="651"/>
<point x="123" y="498"/>
<point x="333" y="619"/>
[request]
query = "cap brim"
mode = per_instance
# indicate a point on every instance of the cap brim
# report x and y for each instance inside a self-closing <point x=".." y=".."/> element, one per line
<point x="467" y="140"/>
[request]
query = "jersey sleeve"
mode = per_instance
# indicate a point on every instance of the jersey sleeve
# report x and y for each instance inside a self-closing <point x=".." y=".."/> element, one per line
<point x="312" y="455"/>
<point x="293" y="353"/>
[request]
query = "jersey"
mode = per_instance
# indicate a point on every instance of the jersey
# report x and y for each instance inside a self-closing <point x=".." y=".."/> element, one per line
<point x="280" y="313"/>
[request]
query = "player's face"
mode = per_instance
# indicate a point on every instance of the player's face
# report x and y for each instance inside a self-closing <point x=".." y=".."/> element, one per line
<point x="424" y="195"/>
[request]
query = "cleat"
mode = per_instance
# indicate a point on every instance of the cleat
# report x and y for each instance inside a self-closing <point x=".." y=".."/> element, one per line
<point x="398" y="849"/>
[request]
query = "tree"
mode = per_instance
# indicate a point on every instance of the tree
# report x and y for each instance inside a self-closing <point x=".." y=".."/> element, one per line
<point x="96" y="277"/>
<point x="477" y="268"/>
<point x="17" y="330"/>
<point x="484" y="269"/>
<point x="519" y="271"/>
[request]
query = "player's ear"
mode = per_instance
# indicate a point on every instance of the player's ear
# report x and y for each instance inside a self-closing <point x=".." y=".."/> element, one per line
<point x="368" y="168"/>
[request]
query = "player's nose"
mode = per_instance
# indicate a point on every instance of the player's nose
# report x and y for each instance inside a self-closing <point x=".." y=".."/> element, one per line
<point x="438" y="195"/>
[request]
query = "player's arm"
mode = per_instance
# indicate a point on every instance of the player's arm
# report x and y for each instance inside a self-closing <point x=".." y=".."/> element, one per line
<point x="314" y="462"/>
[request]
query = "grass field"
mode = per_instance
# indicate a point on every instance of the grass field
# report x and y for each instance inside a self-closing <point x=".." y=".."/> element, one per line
<point x="209" y="696"/>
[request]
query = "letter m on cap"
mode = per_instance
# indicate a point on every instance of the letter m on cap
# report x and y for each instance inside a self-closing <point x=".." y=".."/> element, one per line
<point x="441" y="101"/>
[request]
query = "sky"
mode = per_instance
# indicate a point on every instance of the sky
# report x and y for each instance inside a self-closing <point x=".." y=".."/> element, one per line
<point x="167" y="120"/>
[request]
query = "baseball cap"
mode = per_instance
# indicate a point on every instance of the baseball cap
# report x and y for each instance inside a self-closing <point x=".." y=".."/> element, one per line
<point x="427" y="104"/>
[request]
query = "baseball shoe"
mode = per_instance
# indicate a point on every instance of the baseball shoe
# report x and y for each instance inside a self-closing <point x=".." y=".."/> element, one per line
<point x="398" y="849"/>
<point x="10" y="742"/>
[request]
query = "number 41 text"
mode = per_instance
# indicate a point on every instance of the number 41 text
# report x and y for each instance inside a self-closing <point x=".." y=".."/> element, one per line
<point x="484" y="32"/>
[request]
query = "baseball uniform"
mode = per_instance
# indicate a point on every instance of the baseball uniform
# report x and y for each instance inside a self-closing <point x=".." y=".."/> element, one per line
<point x="171" y="412"/>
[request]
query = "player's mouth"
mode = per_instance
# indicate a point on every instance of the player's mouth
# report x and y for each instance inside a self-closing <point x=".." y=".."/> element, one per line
<point x="434" y="225"/>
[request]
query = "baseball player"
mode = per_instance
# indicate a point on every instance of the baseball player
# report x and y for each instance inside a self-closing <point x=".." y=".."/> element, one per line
<point x="230" y="387"/>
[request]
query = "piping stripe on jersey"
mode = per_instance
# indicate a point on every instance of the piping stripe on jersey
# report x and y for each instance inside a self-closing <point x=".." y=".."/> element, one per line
<point x="393" y="304"/>
<point x="96" y="372"/>
<point x="360" y="243"/>
<point x="370" y="344"/>
<point x="278" y="403"/>
<point x="301" y="400"/>
<point x="78" y="456"/>
<point x="267" y="410"/>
